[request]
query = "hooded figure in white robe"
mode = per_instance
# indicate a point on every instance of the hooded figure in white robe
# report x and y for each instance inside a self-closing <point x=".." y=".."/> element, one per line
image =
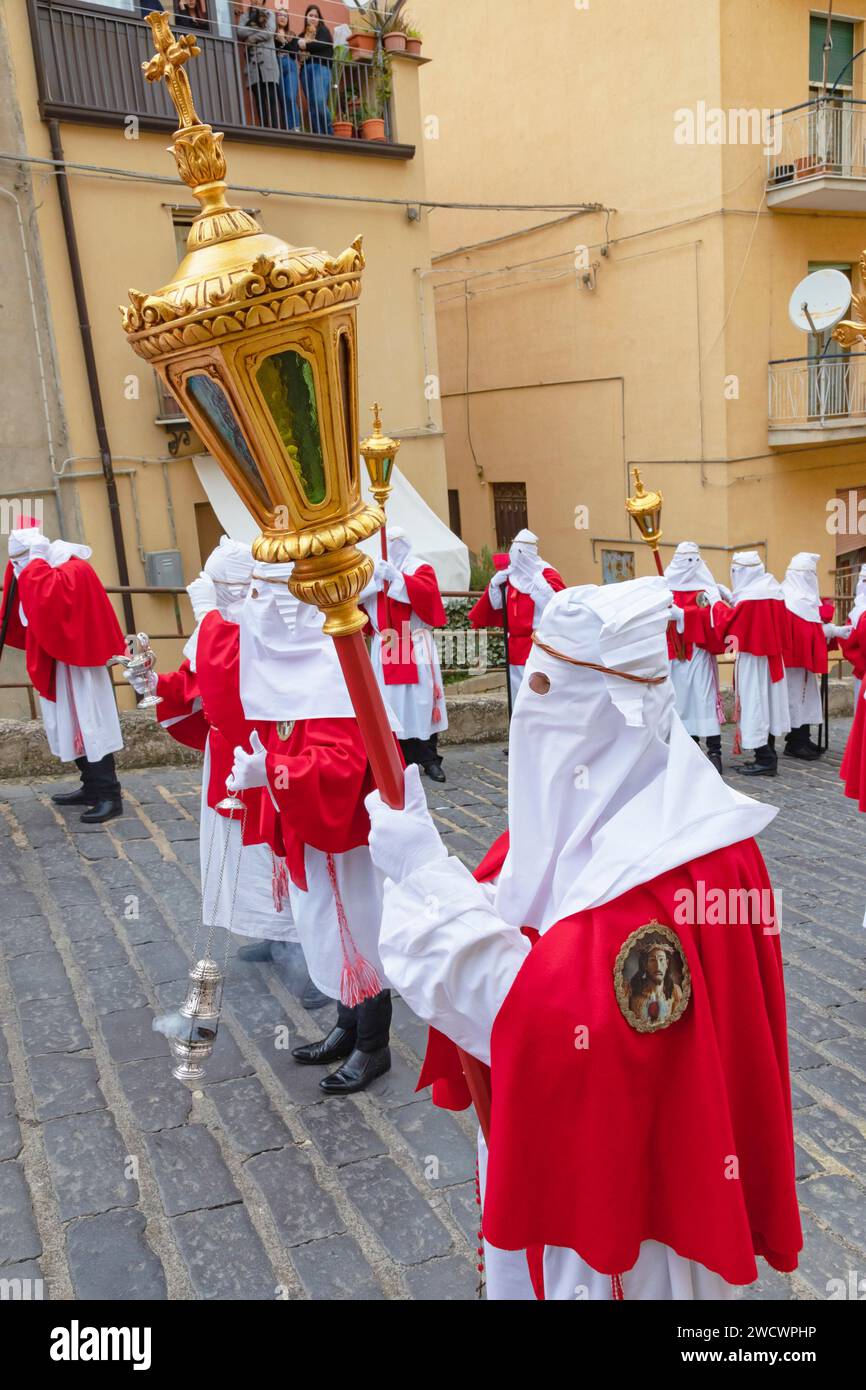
<point x="694" y="653"/>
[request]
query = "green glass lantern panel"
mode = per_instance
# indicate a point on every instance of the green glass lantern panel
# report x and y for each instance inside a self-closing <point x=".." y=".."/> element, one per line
<point x="288" y="386"/>
<point x="216" y="408"/>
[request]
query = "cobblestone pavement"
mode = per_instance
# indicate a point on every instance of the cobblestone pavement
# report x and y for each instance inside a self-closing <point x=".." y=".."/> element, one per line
<point x="118" y="1182"/>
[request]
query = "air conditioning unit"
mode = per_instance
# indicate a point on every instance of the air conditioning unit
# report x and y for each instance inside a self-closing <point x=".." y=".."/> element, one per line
<point x="163" y="569"/>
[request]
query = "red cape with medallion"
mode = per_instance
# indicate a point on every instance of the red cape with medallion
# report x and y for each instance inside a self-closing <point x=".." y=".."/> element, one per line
<point x="681" y="1135"/>
<point x="69" y="619"/>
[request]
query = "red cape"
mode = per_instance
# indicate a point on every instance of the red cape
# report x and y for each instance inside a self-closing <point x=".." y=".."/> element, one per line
<point x="319" y="777"/>
<point x="853" y="769"/>
<point x="69" y="619"/>
<point x="16" y="632"/>
<point x="180" y="713"/>
<point x="399" y="664"/>
<point x="807" y="646"/>
<point x="854" y="648"/>
<point x="760" y="627"/>
<point x="702" y="627"/>
<point x="632" y="1138"/>
<point x="521" y="614"/>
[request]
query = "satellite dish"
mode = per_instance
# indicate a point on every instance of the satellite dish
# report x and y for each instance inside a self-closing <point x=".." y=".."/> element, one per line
<point x="820" y="301"/>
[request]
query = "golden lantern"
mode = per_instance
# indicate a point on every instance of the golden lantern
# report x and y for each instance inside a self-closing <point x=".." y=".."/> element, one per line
<point x="379" y="452"/>
<point x="257" y="340"/>
<point x="645" y="509"/>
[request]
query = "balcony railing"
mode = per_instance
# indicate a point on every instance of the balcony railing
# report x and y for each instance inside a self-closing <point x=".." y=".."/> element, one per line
<point x="807" y="392"/>
<point x="89" y="69"/>
<point x="824" y="139"/>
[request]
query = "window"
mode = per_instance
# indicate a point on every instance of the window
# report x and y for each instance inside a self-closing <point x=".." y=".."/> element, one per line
<point x="454" y="511"/>
<point x="616" y="565"/>
<point x="839" y="65"/>
<point x="509" y="512"/>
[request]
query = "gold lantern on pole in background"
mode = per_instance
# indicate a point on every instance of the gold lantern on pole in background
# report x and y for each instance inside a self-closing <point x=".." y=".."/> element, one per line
<point x="645" y="509"/>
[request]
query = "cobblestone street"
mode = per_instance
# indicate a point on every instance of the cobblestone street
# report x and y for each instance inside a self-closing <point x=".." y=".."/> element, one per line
<point x="118" y="1182"/>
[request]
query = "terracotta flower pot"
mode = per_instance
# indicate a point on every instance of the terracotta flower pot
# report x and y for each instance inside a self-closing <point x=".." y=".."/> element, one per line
<point x="413" y="46"/>
<point x="343" y="130"/>
<point x="363" y="43"/>
<point x="395" y="43"/>
<point x="373" y="129"/>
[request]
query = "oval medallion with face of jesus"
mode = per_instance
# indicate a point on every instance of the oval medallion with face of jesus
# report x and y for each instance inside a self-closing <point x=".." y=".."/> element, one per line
<point x="651" y="978"/>
<point x="702" y="600"/>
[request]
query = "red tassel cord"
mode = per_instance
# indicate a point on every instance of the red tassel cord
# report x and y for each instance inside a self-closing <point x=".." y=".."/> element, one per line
<point x="616" y="1288"/>
<point x="279" y="882"/>
<point x="480" y="1247"/>
<point x="738" y="736"/>
<point x="359" y="979"/>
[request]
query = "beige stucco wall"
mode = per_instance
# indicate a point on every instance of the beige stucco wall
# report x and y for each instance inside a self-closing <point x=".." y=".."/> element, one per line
<point x="578" y="106"/>
<point x="126" y="239"/>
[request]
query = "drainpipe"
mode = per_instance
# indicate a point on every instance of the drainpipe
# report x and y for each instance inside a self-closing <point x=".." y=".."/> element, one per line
<point x="85" y="330"/>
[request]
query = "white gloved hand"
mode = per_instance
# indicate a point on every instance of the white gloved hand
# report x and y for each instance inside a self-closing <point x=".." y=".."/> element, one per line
<point x="726" y="593"/>
<point x="203" y="596"/>
<point x="831" y="630"/>
<point x="141" y="681"/>
<point x="500" y="578"/>
<point x="385" y="573"/>
<point x="679" y="617"/>
<point x="403" y="841"/>
<point x="40" y="547"/>
<point x="249" y="769"/>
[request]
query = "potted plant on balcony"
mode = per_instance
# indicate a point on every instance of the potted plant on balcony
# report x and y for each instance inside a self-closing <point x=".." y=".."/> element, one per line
<point x="373" y="120"/>
<point x="376" y="25"/>
<point x="339" y="101"/>
<point x="363" y="37"/>
<point x="414" y="39"/>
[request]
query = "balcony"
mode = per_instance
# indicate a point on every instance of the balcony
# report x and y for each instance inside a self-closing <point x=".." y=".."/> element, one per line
<point x="818" y="157"/>
<point x="88" y="69"/>
<point x="817" y="402"/>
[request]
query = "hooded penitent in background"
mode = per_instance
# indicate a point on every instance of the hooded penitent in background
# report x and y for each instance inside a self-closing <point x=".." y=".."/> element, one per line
<point x="314" y="764"/>
<point x="853" y="770"/>
<point x="757" y="629"/>
<point x="620" y="979"/>
<point x="528" y="584"/>
<point x="244" y="881"/>
<point x="403" y="605"/>
<point x="853" y="647"/>
<point x="805" y="654"/>
<point x="694" y="652"/>
<point x="60" y="615"/>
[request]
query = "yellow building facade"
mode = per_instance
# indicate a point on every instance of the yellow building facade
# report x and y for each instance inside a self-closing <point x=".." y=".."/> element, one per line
<point x="680" y="169"/>
<point x="76" y="64"/>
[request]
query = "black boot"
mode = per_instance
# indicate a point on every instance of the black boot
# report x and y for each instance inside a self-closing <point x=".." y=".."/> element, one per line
<point x="256" y="951"/>
<point x="435" y="773"/>
<point x="79" y="797"/>
<point x="765" y="763"/>
<point x="339" y="1043"/>
<point x="797" y="745"/>
<point x="102" y="811"/>
<point x="714" y="751"/>
<point x="357" y="1072"/>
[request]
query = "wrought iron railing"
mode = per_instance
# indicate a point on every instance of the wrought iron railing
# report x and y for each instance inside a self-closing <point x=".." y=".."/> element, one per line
<point x="89" y="68"/>
<point x="822" y="137"/>
<point x="810" y="390"/>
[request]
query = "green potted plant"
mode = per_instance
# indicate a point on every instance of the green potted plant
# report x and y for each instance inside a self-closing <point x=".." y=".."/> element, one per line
<point x="414" y="39"/>
<point x="341" y="120"/>
<point x="363" y="37"/>
<point x="373" y="120"/>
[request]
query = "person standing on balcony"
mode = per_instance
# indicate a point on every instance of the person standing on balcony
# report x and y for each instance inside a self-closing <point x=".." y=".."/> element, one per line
<point x="528" y="585"/>
<point x="287" y="54"/>
<point x="59" y="614"/>
<point x="316" y="51"/>
<point x="694" y="654"/>
<point x="403" y="604"/>
<point x="256" y="31"/>
<point x="190" y="15"/>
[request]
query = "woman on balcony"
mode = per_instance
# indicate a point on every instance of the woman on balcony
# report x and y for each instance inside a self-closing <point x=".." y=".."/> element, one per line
<point x="287" y="55"/>
<point x="316" y="51"/>
<point x="256" y="31"/>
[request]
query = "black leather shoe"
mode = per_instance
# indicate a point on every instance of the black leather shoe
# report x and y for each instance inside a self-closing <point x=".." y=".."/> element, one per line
<point x="803" y="751"/>
<point x="256" y="951"/>
<point x="435" y="773"/>
<point x="103" y="810"/>
<point x="339" y="1043"/>
<point x="313" y="998"/>
<point x="77" y="798"/>
<point x="716" y="760"/>
<point x="757" y="769"/>
<point x="357" y="1072"/>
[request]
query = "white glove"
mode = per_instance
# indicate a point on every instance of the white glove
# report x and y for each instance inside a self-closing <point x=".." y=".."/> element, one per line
<point x="141" y="681"/>
<point x="500" y="578"/>
<point x="831" y="630"/>
<point x="385" y="573"/>
<point x="725" y="593"/>
<point x="202" y="596"/>
<point x="403" y="841"/>
<point x="39" y="548"/>
<point x="249" y="769"/>
<point x="679" y="617"/>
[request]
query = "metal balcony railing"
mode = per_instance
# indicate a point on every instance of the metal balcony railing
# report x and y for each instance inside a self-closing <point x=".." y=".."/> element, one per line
<point x="806" y="390"/>
<point x="89" y="69"/>
<point x="822" y="137"/>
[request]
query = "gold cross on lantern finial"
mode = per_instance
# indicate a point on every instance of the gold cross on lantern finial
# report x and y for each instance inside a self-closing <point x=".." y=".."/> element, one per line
<point x="377" y="417"/>
<point x="167" y="64"/>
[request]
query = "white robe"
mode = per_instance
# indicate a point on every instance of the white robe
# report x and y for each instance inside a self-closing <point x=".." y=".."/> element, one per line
<point x="696" y="684"/>
<point x="541" y="593"/>
<point x="85" y="706"/>
<point x="250" y="910"/>
<point x="454" y="960"/>
<point x="804" y="697"/>
<point x="763" y="703"/>
<point x="412" y="705"/>
<point x="315" y="914"/>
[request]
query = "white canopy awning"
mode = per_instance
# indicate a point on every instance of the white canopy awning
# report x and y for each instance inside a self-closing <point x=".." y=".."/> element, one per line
<point x="432" y="541"/>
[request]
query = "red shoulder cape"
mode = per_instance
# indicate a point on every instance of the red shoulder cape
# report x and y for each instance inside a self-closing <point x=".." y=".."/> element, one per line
<point x="16" y="633"/>
<point x="180" y="712"/>
<point x="69" y="619"/>
<point x="633" y="1138"/>
<point x="854" y="648"/>
<point x="760" y="627"/>
<point x="699" y="630"/>
<point x="521" y="616"/>
<point x="399" y="664"/>
<point x="807" y="646"/>
<point x="853" y="769"/>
